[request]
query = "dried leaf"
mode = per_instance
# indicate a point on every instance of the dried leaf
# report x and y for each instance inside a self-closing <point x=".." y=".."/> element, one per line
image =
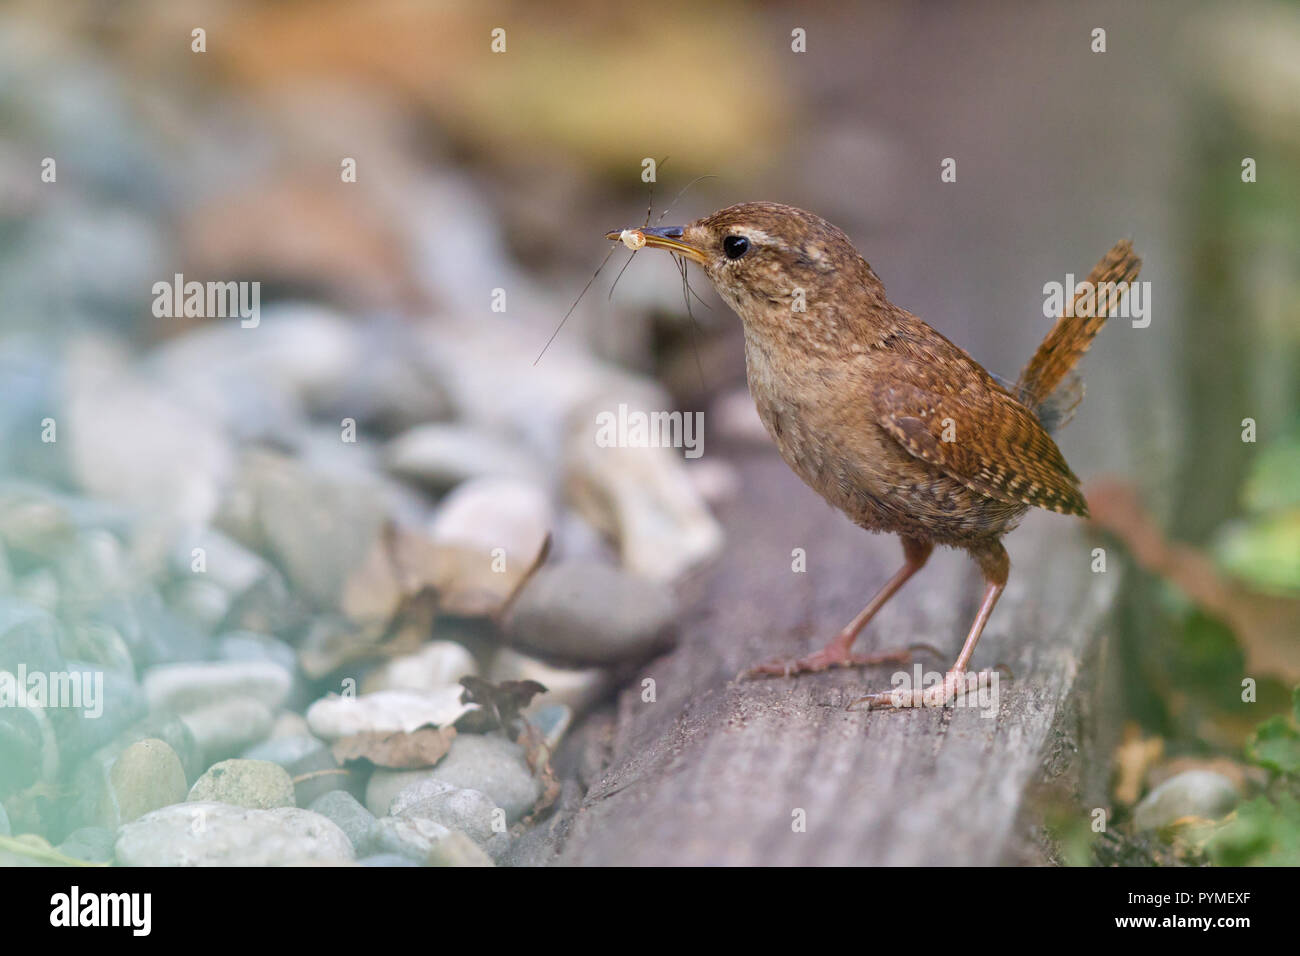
<point x="502" y="701"/>
<point x="1132" y="759"/>
<point x="397" y="751"/>
<point x="538" y="755"/>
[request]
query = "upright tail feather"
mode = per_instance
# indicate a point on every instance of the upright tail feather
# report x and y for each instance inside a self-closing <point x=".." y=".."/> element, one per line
<point x="1045" y="385"/>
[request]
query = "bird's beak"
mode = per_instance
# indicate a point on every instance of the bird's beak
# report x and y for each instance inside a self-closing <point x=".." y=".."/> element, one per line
<point x="664" y="237"/>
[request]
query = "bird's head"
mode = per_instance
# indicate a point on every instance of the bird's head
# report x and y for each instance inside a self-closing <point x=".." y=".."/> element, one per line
<point x="771" y="263"/>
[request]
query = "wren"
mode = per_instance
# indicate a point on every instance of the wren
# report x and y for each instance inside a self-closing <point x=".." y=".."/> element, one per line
<point x="884" y="417"/>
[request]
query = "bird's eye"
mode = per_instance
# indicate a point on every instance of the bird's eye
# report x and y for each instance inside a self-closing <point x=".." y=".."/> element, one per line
<point x="735" y="246"/>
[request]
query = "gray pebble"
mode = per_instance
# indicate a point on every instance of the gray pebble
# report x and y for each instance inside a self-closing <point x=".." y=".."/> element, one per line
<point x="147" y="775"/>
<point x="428" y="843"/>
<point x="92" y="844"/>
<point x="494" y="766"/>
<point x="384" y="786"/>
<point x="350" y="817"/>
<point x="470" y="811"/>
<point x="255" y="784"/>
<point x="227" y="728"/>
<point x="1193" y="793"/>
<point x="28" y="749"/>
<point x="303" y="756"/>
<point x="111" y="702"/>
<point x="387" y="859"/>
<point x="215" y="834"/>
<point x="171" y="730"/>
<point x="152" y="631"/>
<point x="185" y="687"/>
<point x="28" y="636"/>
<point x="588" y="613"/>
<point x="413" y="839"/>
<point x="444" y="455"/>
<point x="93" y="799"/>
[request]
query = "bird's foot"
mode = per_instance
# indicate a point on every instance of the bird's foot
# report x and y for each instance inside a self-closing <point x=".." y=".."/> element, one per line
<point x="955" y="683"/>
<point x="829" y="657"/>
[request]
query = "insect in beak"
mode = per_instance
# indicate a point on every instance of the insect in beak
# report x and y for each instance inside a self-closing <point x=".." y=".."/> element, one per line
<point x="658" y="237"/>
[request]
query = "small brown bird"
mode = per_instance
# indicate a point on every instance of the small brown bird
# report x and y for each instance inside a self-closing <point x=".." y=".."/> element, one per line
<point x="884" y="417"/>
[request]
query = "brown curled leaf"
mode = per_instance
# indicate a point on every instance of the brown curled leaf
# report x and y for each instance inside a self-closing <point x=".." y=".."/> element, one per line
<point x="423" y="747"/>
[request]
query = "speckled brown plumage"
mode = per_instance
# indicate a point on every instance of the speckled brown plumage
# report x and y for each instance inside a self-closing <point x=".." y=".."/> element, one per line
<point x="881" y="414"/>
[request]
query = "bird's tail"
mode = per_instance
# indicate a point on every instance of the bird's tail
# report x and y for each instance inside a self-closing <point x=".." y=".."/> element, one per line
<point x="1048" y="384"/>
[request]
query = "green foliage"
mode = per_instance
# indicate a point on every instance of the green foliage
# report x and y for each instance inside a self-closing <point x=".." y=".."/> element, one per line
<point x="1266" y="830"/>
<point x="1274" y="480"/>
<point x="1276" y="745"/>
<point x="1263" y="832"/>
<point x="1263" y="549"/>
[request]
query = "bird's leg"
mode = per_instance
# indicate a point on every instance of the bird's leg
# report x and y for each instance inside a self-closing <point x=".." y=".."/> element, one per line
<point x="995" y="565"/>
<point x="838" y="653"/>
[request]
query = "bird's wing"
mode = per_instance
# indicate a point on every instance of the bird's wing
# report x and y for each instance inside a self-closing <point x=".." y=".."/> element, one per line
<point x="981" y="436"/>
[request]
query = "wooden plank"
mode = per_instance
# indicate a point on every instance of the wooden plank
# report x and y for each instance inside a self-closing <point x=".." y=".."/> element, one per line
<point x="713" y="770"/>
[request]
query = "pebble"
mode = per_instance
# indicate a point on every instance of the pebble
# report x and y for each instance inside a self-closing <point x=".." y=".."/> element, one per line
<point x="92" y="844"/>
<point x="493" y="765"/>
<point x="117" y="702"/>
<point x="436" y="665"/>
<point x="97" y="644"/>
<point x="387" y="859"/>
<point x="201" y="603"/>
<point x="302" y="756"/>
<point x="28" y="635"/>
<point x="172" y="731"/>
<point x="251" y="646"/>
<point x="215" y="834"/>
<point x="146" y="776"/>
<point x="491" y="533"/>
<point x="93" y="566"/>
<point x="386" y="711"/>
<point x="591" y="613"/>
<point x="470" y="811"/>
<point x="223" y="561"/>
<point x="102" y="795"/>
<point x="29" y="750"/>
<point x="224" y="729"/>
<point x="442" y="455"/>
<point x="135" y="444"/>
<point x="255" y="784"/>
<point x="350" y="817"/>
<point x="186" y="687"/>
<point x="643" y="496"/>
<point x="428" y="843"/>
<point x="290" y="724"/>
<point x="319" y="527"/>
<point x="1193" y="793"/>
<point x="384" y="785"/>
<point x="153" y="632"/>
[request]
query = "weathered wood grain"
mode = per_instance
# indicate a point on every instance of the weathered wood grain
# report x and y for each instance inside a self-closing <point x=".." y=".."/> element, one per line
<point x="712" y="771"/>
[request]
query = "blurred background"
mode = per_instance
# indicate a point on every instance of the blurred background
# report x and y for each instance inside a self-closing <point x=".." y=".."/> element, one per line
<point x="414" y="301"/>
